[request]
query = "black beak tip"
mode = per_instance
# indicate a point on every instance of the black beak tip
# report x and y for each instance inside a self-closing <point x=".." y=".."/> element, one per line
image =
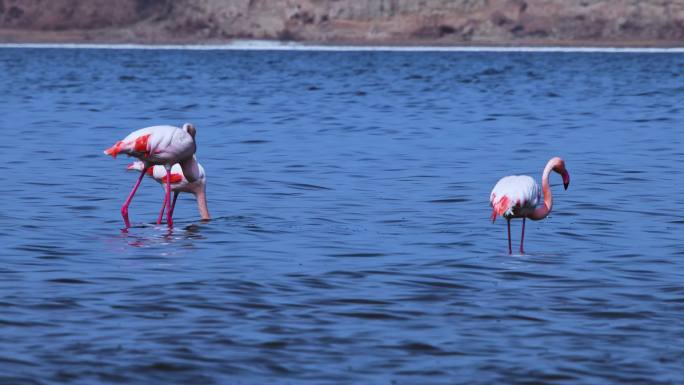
<point x="566" y="185"/>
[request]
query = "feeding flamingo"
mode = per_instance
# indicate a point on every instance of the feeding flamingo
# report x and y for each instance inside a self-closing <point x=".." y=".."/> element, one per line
<point x="159" y="145"/>
<point x="517" y="196"/>
<point x="179" y="183"/>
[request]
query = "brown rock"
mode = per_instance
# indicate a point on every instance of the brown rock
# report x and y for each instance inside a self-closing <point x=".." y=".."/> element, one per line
<point x="443" y="22"/>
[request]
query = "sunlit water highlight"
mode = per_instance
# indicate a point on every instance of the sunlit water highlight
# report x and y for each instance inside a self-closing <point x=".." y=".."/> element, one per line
<point x="351" y="241"/>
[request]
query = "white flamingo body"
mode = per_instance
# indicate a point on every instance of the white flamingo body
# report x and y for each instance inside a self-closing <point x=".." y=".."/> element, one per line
<point x="164" y="146"/>
<point x="159" y="145"/>
<point x="515" y="196"/>
<point x="519" y="196"/>
<point x="179" y="183"/>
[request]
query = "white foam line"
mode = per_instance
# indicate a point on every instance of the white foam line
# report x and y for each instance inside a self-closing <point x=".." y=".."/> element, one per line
<point x="284" y="46"/>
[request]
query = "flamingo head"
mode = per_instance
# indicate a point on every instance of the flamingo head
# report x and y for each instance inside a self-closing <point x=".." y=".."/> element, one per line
<point x="199" y="191"/>
<point x="559" y="167"/>
<point x="199" y="188"/>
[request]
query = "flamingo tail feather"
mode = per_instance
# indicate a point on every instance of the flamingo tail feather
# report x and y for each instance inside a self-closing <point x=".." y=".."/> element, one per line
<point x="114" y="150"/>
<point x="501" y="207"/>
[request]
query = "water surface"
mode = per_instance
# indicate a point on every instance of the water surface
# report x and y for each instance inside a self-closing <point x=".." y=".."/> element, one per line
<point x="351" y="240"/>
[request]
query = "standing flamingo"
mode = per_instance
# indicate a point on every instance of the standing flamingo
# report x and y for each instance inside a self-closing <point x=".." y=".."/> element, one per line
<point x="179" y="183"/>
<point x="517" y="196"/>
<point x="159" y="145"/>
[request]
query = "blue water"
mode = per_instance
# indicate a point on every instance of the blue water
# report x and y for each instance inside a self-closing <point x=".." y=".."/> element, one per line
<point x="351" y="240"/>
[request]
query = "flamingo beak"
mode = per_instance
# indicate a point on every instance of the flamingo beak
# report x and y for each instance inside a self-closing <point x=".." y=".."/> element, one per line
<point x="566" y="180"/>
<point x="131" y="166"/>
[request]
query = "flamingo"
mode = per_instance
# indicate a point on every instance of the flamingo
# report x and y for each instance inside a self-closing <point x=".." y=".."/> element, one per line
<point x="517" y="196"/>
<point x="179" y="183"/>
<point x="159" y="145"/>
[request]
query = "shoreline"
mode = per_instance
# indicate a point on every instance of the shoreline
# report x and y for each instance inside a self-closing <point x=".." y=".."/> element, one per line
<point x="275" y="45"/>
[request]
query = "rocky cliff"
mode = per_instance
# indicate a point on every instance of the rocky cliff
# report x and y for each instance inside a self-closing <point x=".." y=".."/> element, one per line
<point x="442" y="22"/>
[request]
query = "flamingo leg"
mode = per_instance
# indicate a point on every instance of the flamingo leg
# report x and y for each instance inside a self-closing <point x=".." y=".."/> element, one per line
<point x="161" y="212"/>
<point x="510" y="251"/>
<point x="124" y="208"/>
<point x="167" y="199"/>
<point x="173" y="204"/>
<point x="522" y="237"/>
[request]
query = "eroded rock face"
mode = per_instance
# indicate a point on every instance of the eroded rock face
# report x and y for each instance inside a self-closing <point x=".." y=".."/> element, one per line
<point x="348" y="21"/>
<point x="76" y="14"/>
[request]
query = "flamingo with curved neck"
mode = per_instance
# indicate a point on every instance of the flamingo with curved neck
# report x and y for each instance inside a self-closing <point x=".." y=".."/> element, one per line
<point x="179" y="183"/>
<point x="518" y="196"/>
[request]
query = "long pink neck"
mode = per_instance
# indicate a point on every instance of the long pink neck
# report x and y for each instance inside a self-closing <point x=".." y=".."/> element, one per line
<point x="543" y="210"/>
<point x="202" y="204"/>
<point x="190" y="169"/>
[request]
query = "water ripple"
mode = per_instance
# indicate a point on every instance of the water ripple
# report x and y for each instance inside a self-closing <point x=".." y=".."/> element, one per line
<point x="351" y="240"/>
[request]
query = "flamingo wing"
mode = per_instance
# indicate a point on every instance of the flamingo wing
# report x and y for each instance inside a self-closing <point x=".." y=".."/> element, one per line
<point x="514" y="195"/>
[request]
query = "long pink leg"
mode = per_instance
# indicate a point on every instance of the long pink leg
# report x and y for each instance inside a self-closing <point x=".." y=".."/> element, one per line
<point x="161" y="212"/>
<point x="173" y="204"/>
<point x="522" y="237"/>
<point x="510" y="251"/>
<point x="124" y="208"/>
<point x="167" y="199"/>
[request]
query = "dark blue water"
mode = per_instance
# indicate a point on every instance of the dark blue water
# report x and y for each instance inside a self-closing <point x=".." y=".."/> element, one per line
<point x="351" y="241"/>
